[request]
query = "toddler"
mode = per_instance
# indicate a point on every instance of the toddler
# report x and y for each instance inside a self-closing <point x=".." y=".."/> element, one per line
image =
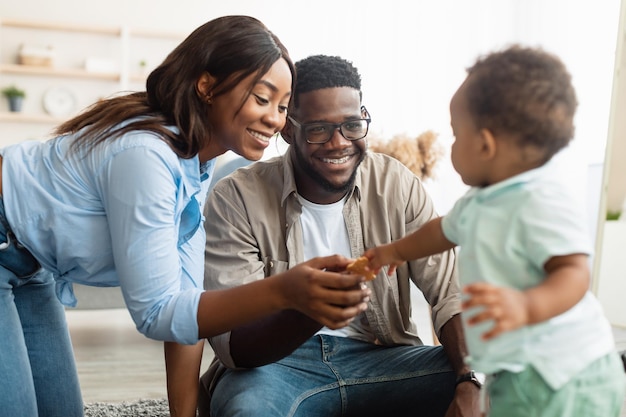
<point x="530" y="322"/>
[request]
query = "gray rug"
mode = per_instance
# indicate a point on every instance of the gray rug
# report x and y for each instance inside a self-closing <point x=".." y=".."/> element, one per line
<point x="140" y="408"/>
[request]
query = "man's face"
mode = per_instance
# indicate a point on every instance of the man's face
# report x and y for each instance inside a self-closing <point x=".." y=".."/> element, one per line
<point x="325" y="172"/>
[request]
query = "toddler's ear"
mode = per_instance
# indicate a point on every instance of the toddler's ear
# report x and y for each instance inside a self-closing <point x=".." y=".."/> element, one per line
<point x="488" y="143"/>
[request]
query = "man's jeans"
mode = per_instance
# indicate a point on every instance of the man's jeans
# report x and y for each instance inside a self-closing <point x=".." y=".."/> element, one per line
<point x="334" y="376"/>
<point x="37" y="369"/>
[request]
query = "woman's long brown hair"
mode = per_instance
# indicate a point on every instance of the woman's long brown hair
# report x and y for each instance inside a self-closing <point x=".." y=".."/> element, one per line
<point x="230" y="48"/>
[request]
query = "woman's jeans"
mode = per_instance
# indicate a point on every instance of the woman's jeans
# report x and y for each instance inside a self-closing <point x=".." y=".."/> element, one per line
<point x="37" y="370"/>
<point x="335" y="376"/>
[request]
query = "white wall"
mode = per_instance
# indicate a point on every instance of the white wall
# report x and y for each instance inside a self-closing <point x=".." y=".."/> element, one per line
<point x="615" y="171"/>
<point x="412" y="55"/>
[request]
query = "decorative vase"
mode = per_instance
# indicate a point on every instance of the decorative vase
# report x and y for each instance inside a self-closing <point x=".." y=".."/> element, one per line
<point x="15" y="103"/>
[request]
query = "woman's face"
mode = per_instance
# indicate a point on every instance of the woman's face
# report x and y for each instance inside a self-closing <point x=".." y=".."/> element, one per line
<point x="247" y="129"/>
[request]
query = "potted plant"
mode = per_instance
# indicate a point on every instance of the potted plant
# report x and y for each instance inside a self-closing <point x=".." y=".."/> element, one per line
<point x="613" y="215"/>
<point x="15" y="97"/>
<point x="143" y="64"/>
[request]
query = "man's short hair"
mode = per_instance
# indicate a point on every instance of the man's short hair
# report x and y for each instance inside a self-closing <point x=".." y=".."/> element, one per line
<point x="322" y="71"/>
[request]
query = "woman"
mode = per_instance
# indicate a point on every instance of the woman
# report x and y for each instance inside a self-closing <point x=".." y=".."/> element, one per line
<point x="116" y="199"/>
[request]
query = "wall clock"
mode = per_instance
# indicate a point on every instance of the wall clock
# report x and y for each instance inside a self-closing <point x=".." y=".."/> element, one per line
<point x="59" y="101"/>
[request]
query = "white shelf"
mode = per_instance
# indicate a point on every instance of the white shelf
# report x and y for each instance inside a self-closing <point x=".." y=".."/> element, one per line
<point x="57" y="72"/>
<point x="65" y="27"/>
<point x="120" y="45"/>
<point x="19" y="117"/>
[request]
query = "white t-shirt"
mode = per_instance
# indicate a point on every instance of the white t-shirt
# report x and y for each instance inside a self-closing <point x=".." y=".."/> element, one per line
<point x="324" y="233"/>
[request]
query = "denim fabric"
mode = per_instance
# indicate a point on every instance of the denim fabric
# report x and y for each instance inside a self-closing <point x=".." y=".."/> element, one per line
<point x="37" y="369"/>
<point x="13" y="256"/>
<point x="336" y="376"/>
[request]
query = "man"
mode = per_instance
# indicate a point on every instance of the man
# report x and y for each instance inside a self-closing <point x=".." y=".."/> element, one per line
<point x="328" y="195"/>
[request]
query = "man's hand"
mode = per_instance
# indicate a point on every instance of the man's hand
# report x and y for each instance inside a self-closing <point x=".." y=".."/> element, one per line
<point x="466" y="401"/>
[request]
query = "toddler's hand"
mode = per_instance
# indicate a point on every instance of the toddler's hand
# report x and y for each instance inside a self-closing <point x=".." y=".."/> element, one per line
<point x="507" y="307"/>
<point x="382" y="255"/>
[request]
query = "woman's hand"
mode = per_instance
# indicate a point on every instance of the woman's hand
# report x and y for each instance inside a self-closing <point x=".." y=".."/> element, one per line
<point x="317" y="288"/>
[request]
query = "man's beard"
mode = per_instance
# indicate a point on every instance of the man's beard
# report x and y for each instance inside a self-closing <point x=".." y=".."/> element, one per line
<point x="321" y="180"/>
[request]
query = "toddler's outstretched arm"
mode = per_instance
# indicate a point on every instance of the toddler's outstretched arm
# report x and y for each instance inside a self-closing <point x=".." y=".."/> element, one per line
<point x="427" y="240"/>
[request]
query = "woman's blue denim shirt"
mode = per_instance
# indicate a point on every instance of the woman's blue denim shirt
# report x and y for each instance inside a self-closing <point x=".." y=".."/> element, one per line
<point x="127" y="213"/>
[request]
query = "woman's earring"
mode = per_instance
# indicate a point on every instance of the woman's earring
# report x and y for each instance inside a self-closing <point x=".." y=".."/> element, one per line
<point x="209" y="98"/>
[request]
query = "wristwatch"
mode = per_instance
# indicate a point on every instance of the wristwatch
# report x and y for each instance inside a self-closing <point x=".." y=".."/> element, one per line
<point x="469" y="377"/>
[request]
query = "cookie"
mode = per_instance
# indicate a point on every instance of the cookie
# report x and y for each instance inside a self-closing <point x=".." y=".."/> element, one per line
<point x="358" y="267"/>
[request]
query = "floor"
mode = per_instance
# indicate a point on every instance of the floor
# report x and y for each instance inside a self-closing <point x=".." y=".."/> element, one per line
<point x="116" y="363"/>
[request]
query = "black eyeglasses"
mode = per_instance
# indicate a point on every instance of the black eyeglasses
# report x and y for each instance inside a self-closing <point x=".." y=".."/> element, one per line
<point x="319" y="133"/>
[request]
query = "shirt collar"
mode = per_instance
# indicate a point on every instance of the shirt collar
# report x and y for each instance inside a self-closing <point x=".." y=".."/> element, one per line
<point x="289" y="183"/>
<point x="206" y="169"/>
<point x="509" y="184"/>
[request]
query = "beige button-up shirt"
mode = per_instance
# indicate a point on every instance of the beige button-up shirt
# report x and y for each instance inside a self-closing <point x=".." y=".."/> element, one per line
<point x="253" y="231"/>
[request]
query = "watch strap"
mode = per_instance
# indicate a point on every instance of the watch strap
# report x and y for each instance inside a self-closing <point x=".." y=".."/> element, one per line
<point x="469" y="377"/>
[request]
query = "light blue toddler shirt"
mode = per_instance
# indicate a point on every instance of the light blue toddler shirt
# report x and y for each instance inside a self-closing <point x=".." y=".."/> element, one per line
<point x="506" y="233"/>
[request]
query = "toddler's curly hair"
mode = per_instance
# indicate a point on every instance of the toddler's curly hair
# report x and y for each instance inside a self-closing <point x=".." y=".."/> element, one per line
<point x="525" y="92"/>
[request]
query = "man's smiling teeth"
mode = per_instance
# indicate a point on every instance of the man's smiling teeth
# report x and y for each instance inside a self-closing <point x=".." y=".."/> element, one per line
<point x="336" y="160"/>
<point x="260" y="136"/>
